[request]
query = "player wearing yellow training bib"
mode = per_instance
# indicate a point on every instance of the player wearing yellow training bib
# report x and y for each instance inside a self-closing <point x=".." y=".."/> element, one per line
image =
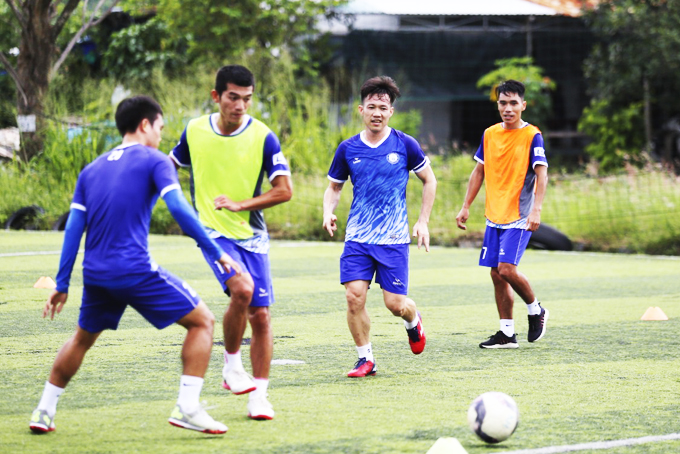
<point x="230" y="153"/>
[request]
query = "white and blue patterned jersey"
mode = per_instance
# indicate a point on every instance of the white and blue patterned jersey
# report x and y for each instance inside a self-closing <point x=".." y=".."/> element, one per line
<point x="379" y="175"/>
<point x="117" y="192"/>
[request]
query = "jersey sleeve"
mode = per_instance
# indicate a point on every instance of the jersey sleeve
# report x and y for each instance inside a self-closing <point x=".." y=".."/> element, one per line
<point x="274" y="161"/>
<point x="164" y="175"/>
<point x="78" y="201"/>
<point x="538" y="151"/>
<point x="339" y="171"/>
<point x="180" y="154"/>
<point x="415" y="156"/>
<point x="479" y="156"/>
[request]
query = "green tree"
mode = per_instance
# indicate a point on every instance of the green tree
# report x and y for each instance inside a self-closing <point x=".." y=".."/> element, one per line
<point x="219" y="29"/>
<point x="538" y="86"/>
<point x="37" y="26"/>
<point x="635" y="62"/>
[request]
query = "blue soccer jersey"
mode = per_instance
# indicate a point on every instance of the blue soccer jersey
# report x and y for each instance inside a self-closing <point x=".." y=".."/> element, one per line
<point x="117" y="192"/>
<point x="379" y="175"/>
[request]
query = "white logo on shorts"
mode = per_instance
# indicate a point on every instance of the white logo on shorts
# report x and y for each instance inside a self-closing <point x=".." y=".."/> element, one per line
<point x="263" y="292"/>
<point x="502" y="252"/>
<point x="191" y="291"/>
<point x="397" y="282"/>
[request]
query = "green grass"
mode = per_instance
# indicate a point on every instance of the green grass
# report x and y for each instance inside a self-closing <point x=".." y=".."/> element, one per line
<point x="599" y="374"/>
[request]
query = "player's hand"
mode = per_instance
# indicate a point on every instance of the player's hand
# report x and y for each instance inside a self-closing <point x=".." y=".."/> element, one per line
<point x="533" y="221"/>
<point x="462" y="218"/>
<point x="225" y="202"/>
<point x="329" y="223"/>
<point x="421" y="232"/>
<point x="230" y="264"/>
<point x="55" y="303"/>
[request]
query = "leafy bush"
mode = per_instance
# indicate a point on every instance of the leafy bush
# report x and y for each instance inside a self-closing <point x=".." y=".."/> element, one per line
<point x="134" y="52"/>
<point x="617" y="134"/>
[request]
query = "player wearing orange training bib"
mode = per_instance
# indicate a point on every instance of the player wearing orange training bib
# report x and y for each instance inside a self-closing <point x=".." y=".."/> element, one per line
<point x="511" y="161"/>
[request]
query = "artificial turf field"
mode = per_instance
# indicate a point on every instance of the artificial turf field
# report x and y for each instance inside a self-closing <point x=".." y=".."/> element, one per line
<point x="599" y="373"/>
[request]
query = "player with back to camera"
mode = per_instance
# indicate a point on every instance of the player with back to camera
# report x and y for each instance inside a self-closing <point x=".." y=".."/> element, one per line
<point x="113" y="198"/>
<point x="229" y="153"/>
<point x="378" y="161"/>
<point x="511" y="160"/>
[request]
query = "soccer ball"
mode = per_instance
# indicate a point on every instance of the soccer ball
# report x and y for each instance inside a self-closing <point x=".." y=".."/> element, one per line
<point x="493" y="416"/>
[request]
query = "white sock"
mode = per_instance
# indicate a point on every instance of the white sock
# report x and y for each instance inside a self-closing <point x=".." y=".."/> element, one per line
<point x="49" y="398"/>
<point x="189" y="393"/>
<point x="233" y="360"/>
<point x="534" y="308"/>
<point x="261" y="385"/>
<point x="508" y="327"/>
<point x="413" y="323"/>
<point x="366" y="352"/>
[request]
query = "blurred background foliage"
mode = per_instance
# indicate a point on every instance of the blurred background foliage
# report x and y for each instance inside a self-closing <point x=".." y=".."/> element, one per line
<point x="171" y="50"/>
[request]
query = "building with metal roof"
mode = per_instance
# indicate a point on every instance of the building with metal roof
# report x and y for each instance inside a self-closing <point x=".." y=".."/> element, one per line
<point x="438" y="49"/>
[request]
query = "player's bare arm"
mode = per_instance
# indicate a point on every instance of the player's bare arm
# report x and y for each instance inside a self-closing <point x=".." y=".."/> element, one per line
<point x="55" y="303"/>
<point x="280" y="192"/>
<point x="534" y="218"/>
<point x="474" y="185"/>
<point x="331" y="198"/>
<point x="420" y="229"/>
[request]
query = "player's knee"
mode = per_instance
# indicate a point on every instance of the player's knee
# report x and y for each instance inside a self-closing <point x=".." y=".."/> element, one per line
<point x="83" y="339"/>
<point x="203" y="318"/>
<point x="396" y="305"/>
<point x="355" y="300"/>
<point x="259" y="318"/>
<point x="242" y="291"/>
<point x="507" y="271"/>
<point x="496" y="276"/>
<point x="208" y="319"/>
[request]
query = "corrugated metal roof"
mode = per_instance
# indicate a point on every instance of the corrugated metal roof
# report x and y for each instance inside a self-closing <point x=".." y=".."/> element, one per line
<point x="447" y="8"/>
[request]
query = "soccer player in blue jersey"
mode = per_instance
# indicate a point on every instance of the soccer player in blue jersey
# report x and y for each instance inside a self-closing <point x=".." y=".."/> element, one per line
<point x="229" y="153"/>
<point x="114" y="197"/>
<point x="511" y="160"/>
<point x="378" y="160"/>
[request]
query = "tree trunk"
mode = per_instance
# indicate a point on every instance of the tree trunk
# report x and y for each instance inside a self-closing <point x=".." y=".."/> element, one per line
<point x="33" y="68"/>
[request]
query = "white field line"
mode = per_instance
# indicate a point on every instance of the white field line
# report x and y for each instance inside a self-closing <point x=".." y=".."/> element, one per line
<point x="20" y="254"/>
<point x="596" y="445"/>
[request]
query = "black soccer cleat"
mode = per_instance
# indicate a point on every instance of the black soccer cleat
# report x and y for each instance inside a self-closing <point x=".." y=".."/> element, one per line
<point x="500" y="340"/>
<point x="537" y="325"/>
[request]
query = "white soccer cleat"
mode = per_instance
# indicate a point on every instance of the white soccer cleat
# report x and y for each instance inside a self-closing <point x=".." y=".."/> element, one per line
<point x="41" y="422"/>
<point x="199" y="420"/>
<point x="237" y="381"/>
<point x="260" y="408"/>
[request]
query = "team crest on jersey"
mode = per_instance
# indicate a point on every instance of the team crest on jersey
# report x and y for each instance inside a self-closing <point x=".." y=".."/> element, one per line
<point x="393" y="158"/>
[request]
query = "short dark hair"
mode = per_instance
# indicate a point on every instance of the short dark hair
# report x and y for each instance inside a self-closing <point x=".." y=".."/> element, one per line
<point x="131" y="112"/>
<point x="233" y="74"/>
<point x="510" y="87"/>
<point x="380" y="85"/>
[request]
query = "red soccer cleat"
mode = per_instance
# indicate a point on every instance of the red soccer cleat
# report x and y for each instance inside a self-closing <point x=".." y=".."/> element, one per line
<point x="416" y="337"/>
<point x="362" y="368"/>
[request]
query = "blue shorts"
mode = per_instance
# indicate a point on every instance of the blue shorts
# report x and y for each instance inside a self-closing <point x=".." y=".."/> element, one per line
<point x="503" y="245"/>
<point x="389" y="263"/>
<point x="161" y="298"/>
<point x="257" y="265"/>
